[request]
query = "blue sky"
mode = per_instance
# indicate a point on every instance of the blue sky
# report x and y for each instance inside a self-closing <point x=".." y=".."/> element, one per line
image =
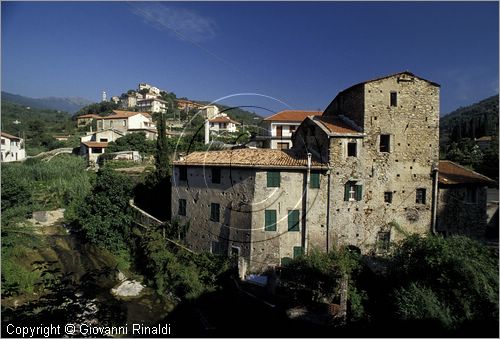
<point x="299" y="53"/>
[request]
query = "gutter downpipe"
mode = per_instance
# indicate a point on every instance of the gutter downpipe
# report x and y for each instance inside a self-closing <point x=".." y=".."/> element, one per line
<point x="328" y="213"/>
<point x="305" y="237"/>
<point x="435" y="174"/>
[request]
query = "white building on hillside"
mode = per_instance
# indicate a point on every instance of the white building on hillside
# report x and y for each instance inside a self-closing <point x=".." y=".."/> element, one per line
<point x="12" y="148"/>
<point x="282" y="125"/>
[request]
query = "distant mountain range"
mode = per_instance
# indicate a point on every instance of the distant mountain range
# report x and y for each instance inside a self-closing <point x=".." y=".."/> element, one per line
<point x="70" y="105"/>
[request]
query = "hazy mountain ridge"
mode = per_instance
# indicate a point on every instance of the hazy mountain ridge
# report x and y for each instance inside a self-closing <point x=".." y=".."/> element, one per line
<point x="66" y="104"/>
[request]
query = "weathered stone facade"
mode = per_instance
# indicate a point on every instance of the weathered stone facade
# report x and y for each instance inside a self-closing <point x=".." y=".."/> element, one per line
<point x="376" y="151"/>
<point x="412" y="126"/>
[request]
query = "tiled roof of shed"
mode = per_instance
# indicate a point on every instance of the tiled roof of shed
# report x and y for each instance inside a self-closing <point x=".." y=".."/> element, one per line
<point x="451" y="173"/>
<point x="336" y="125"/>
<point x="292" y="115"/>
<point x="248" y="157"/>
<point x="95" y="144"/>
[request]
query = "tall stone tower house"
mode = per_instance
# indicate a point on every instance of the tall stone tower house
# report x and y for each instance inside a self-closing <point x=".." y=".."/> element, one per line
<point x="382" y="175"/>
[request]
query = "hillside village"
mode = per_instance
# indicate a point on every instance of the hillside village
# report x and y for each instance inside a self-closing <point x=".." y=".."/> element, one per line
<point x="365" y="174"/>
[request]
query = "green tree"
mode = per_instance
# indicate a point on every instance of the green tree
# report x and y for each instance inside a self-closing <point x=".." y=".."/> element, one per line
<point x="162" y="157"/>
<point x="449" y="280"/>
<point x="104" y="215"/>
<point x="132" y="142"/>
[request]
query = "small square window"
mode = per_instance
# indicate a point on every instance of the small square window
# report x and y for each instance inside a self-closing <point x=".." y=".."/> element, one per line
<point x="388" y="197"/>
<point x="394" y="99"/>
<point x="420" y="196"/>
<point x="216" y="175"/>
<point x="182" y="207"/>
<point x="297" y="251"/>
<point x="352" y="191"/>
<point x="383" y="241"/>
<point x="183" y="173"/>
<point x="385" y="143"/>
<point x="352" y="149"/>
<point x="214" y="212"/>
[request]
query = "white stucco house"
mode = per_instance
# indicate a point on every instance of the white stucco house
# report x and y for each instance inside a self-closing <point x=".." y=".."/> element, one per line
<point x="12" y="148"/>
<point x="223" y="123"/>
<point x="282" y="125"/>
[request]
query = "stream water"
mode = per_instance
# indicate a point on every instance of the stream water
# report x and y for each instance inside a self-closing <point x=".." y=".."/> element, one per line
<point x="81" y="294"/>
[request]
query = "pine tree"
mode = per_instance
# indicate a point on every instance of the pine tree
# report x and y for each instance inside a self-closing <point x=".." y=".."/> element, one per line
<point x="162" y="157"/>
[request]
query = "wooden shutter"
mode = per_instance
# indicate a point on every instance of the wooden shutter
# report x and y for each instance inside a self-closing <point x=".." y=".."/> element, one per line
<point x="293" y="221"/>
<point x="359" y="192"/>
<point x="314" y="183"/>
<point x="347" y="186"/>
<point x="297" y="251"/>
<point x="273" y="179"/>
<point x="270" y="220"/>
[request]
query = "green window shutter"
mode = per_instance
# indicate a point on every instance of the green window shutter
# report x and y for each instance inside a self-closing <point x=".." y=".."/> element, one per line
<point x="270" y="220"/>
<point x="182" y="207"/>
<point x="346" y="191"/>
<point x="297" y="251"/>
<point x="286" y="261"/>
<point x="293" y="221"/>
<point x="273" y="179"/>
<point x="359" y="192"/>
<point x="314" y="182"/>
<point x="214" y="212"/>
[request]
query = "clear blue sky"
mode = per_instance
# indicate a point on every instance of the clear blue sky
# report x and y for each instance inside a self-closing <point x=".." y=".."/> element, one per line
<point x="300" y="53"/>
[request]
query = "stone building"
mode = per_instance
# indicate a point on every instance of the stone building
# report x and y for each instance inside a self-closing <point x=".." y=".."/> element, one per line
<point x="371" y="179"/>
<point x="462" y="207"/>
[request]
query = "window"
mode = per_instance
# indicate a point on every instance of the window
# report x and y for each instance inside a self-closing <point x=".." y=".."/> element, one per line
<point x="471" y="195"/>
<point x="235" y="252"/>
<point x="103" y="140"/>
<point x="182" y="207"/>
<point x="385" y="143"/>
<point x="124" y="122"/>
<point x="270" y="220"/>
<point x="283" y="145"/>
<point x="420" y="196"/>
<point x="352" y="149"/>
<point x="183" y="173"/>
<point x="293" y="221"/>
<point x="292" y="129"/>
<point x="394" y="99"/>
<point x="273" y="179"/>
<point x="214" y="212"/>
<point x="297" y="251"/>
<point x="314" y="183"/>
<point x="352" y="191"/>
<point x="3" y="141"/>
<point x="215" y="175"/>
<point x="388" y="197"/>
<point x="96" y="150"/>
<point x="279" y="131"/>
<point x="383" y="241"/>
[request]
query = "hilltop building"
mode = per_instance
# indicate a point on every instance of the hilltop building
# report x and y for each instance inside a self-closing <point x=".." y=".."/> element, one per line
<point x="223" y="123"/>
<point x="183" y="104"/>
<point x="281" y="126"/>
<point x="371" y="178"/>
<point x="12" y="148"/>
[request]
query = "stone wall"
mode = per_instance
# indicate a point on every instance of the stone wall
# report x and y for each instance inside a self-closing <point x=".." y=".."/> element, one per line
<point x="349" y="103"/>
<point x="456" y="215"/>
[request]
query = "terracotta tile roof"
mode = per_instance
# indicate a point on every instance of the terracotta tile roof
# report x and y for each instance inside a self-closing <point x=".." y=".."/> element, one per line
<point x="451" y="173"/>
<point x="87" y="116"/>
<point x="248" y="157"/>
<point x="336" y="125"/>
<point x="95" y="144"/>
<point x="224" y="119"/>
<point x="9" y="136"/>
<point x="124" y="114"/>
<point x="292" y="116"/>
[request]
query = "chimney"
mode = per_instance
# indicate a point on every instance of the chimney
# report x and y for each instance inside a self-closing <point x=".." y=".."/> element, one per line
<point x="207" y="132"/>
